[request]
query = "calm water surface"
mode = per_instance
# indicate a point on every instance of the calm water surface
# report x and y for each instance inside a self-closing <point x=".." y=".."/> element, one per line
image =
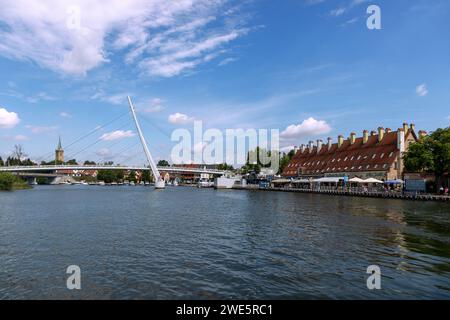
<point x="187" y="243"/>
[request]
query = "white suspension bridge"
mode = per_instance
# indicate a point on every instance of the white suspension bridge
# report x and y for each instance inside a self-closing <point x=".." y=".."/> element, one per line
<point x="52" y="170"/>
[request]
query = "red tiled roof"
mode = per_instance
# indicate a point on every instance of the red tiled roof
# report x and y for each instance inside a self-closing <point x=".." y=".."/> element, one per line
<point x="371" y="156"/>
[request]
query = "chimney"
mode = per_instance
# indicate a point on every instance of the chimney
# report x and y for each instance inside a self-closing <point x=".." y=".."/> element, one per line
<point x="295" y="149"/>
<point x="380" y="134"/>
<point x="319" y="145"/>
<point x="340" y="140"/>
<point x="422" y="134"/>
<point x="412" y="126"/>
<point x="302" y="148"/>
<point x="330" y="143"/>
<point x="401" y="140"/>
<point x="405" y="127"/>
<point x="311" y="146"/>
<point x="365" y="136"/>
<point x="373" y="132"/>
<point x="388" y="130"/>
<point x="352" y="138"/>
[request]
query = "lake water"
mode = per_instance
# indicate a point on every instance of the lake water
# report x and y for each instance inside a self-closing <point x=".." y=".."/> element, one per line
<point x="188" y="243"/>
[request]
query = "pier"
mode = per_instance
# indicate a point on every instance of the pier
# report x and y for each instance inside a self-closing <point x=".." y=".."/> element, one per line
<point x="351" y="193"/>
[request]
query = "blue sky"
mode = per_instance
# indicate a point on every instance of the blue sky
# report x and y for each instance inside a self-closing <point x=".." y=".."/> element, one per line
<point x="310" y="68"/>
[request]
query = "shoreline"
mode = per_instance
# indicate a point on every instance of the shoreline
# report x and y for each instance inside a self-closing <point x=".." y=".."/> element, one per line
<point x="379" y="195"/>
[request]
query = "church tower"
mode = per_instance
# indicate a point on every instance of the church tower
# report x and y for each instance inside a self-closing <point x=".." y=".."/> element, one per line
<point x="59" y="152"/>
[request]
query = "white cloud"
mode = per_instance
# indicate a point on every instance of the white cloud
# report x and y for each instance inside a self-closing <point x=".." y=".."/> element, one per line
<point x="309" y="127"/>
<point x="39" y="97"/>
<point x="8" y="119"/>
<point x="118" y="98"/>
<point x="116" y="135"/>
<point x="104" y="153"/>
<point x="65" y="115"/>
<point x="18" y="137"/>
<point x="41" y="129"/>
<point x="422" y="90"/>
<point x="163" y="37"/>
<point x="153" y="106"/>
<point x="180" y="118"/>
<point x="226" y="61"/>
<point x="21" y="137"/>
<point x="338" y="12"/>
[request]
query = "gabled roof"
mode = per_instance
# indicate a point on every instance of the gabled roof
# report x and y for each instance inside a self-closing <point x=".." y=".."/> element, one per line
<point x="359" y="156"/>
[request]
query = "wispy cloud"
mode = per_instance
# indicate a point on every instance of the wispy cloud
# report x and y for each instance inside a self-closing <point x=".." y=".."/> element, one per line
<point x="65" y="115"/>
<point x="152" y="106"/>
<point x="41" y="129"/>
<point x="339" y="11"/>
<point x="117" y="135"/>
<point x="164" y="38"/>
<point x="19" y="137"/>
<point x="226" y="61"/>
<point x="117" y="98"/>
<point x="422" y="90"/>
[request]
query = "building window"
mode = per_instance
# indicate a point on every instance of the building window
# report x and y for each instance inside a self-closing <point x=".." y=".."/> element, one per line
<point x="374" y="155"/>
<point x="391" y="154"/>
<point x="382" y="156"/>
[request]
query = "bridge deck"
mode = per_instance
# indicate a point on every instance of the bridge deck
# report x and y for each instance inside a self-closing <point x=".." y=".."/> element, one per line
<point x="79" y="168"/>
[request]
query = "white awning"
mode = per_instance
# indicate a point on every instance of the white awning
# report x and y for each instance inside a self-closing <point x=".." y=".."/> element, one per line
<point x="372" y="180"/>
<point x="301" y="181"/>
<point x="356" y="180"/>
<point x="328" y="180"/>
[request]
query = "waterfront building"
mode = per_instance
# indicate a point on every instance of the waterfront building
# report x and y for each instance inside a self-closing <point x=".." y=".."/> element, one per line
<point x="59" y="152"/>
<point x="378" y="154"/>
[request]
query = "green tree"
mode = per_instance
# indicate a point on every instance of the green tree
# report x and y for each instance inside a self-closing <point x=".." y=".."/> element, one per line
<point x="89" y="163"/>
<point x="163" y="163"/>
<point x="225" y="166"/>
<point x="285" y="159"/>
<point x="7" y="181"/>
<point x="132" y="176"/>
<point x="146" y="176"/>
<point x="107" y="176"/>
<point x="1" y="162"/>
<point x="430" y="154"/>
<point x="72" y="162"/>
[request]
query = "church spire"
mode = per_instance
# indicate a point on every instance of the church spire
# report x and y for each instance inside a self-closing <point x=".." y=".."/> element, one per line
<point x="59" y="144"/>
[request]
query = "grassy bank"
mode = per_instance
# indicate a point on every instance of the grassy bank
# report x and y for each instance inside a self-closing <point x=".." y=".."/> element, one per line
<point x="9" y="182"/>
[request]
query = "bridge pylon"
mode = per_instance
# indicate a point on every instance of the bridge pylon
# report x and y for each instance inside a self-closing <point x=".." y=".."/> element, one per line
<point x="159" y="181"/>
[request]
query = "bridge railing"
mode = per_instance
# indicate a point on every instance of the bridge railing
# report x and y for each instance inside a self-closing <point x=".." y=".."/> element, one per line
<point x="105" y="167"/>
